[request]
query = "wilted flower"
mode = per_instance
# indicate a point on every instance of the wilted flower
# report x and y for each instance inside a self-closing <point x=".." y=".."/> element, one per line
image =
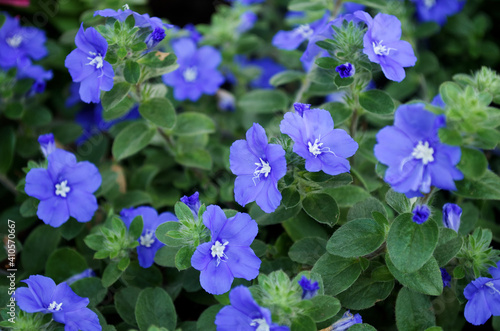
<point x="451" y="216"/>
<point x="64" y="189"/>
<point x="148" y="243"/>
<point x="228" y="254"/>
<point x="437" y="10"/>
<point x="259" y="166"/>
<point x="316" y="140"/>
<point x="309" y="288"/>
<point x="416" y="157"/>
<point x="421" y="213"/>
<point x="43" y="296"/>
<point x="155" y="37"/>
<point x="87" y="66"/>
<point x="446" y="277"/>
<point x="197" y="73"/>
<point x="244" y="314"/>
<point x="382" y="45"/>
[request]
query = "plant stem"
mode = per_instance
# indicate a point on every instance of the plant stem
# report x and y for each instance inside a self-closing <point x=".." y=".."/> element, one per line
<point x="336" y="7"/>
<point x="8" y="184"/>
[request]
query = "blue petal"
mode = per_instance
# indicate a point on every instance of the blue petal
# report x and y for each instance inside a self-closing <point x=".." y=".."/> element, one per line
<point x="269" y="197"/>
<point x="53" y="211"/>
<point x="82" y="319"/>
<point x="146" y="255"/>
<point x="214" y="219"/>
<point x="242" y="262"/>
<point x="40" y="292"/>
<point x="202" y="257"/>
<point x="59" y="160"/>
<point x="82" y="205"/>
<point x="288" y="40"/>
<point x="257" y="140"/>
<point x="230" y="319"/>
<point x="216" y="279"/>
<point x="84" y="176"/>
<point x="241" y="159"/>
<point x="39" y="184"/>
<point x="240" y="230"/>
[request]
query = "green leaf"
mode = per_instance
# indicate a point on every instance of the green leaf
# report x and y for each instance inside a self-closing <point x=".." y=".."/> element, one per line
<point x="135" y="228"/>
<point x="124" y="263"/>
<point x="450" y="137"/>
<point x="426" y="280"/>
<point x="487" y="187"/>
<point x="302" y="226"/>
<point x="197" y="158"/>
<point x="154" y="307"/>
<point x="279" y="215"/>
<point x="113" y="101"/>
<point x="37" y="248"/>
<point x="71" y="229"/>
<point x="377" y="102"/>
<point x="111" y="274"/>
<point x="450" y="92"/>
<point x="90" y="287"/>
<point x="413" y="311"/>
<point x="160" y="111"/>
<point x="162" y="234"/>
<point x="364" y="293"/>
<point x="7" y="146"/>
<point x="410" y="245"/>
<point x="322" y="207"/>
<point x="449" y="244"/>
<point x="131" y="199"/>
<point x="302" y="5"/>
<point x="398" y="201"/>
<point x="125" y="302"/>
<point x="263" y="101"/>
<point x="303" y="323"/>
<point x="473" y="163"/>
<point x="132" y="72"/>
<point x="290" y="197"/>
<point x="37" y="116"/>
<point x="29" y="207"/>
<point x="157" y="64"/>
<point x="365" y="208"/>
<point x="326" y="63"/>
<point x="343" y="82"/>
<point x="286" y="77"/>
<point x="64" y="263"/>
<point x="307" y="250"/>
<point x="193" y="124"/>
<point x="206" y="321"/>
<point x="165" y="256"/>
<point x="356" y="238"/>
<point x="338" y="273"/>
<point x="323" y="308"/>
<point x="137" y="276"/>
<point x="132" y="139"/>
<point x="347" y="196"/>
<point x="183" y="212"/>
<point x="340" y="111"/>
<point x="183" y="258"/>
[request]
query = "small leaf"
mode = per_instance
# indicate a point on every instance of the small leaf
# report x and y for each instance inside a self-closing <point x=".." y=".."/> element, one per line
<point x="473" y="163"/>
<point x="286" y="77"/>
<point x="192" y="124"/>
<point x="132" y="72"/>
<point x="263" y="101"/>
<point x="183" y="258"/>
<point x="132" y="139"/>
<point x="413" y="311"/>
<point x="322" y="207"/>
<point x="155" y="307"/>
<point x="160" y="111"/>
<point x="135" y="228"/>
<point x="290" y="197"/>
<point x="326" y="63"/>
<point x="377" y="102"/>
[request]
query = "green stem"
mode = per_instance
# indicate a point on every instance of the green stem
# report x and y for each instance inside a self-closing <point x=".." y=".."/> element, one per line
<point x="336" y="8"/>
<point x="8" y="184"/>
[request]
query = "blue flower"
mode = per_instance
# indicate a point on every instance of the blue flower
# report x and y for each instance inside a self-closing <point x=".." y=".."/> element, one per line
<point x="382" y="45"/>
<point x="247" y="2"/>
<point x="437" y="10"/>
<point x="446" y="277"/>
<point x="92" y="123"/>
<point x="84" y="274"/>
<point x="451" y="216"/>
<point x="40" y="76"/>
<point x="148" y="243"/>
<point x="309" y="288"/>
<point x="416" y="157"/>
<point x="351" y="7"/>
<point x="258" y="167"/>
<point x="438" y="101"/>
<point x="247" y="21"/>
<point x="495" y="271"/>
<point x="64" y="189"/>
<point x="141" y="21"/>
<point x="315" y="139"/>
<point x="47" y="143"/>
<point x="228" y="254"/>
<point x="244" y="314"/>
<point x="193" y="33"/>
<point x="345" y="70"/>
<point x="19" y="44"/>
<point x="421" y="214"/>
<point x="483" y="295"/>
<point x="346" y="321"/>
<point x="193" y="202"/>
<point x="197" y="73"/>
<point x="87" y="66"/>
<point x="43" y="296"/>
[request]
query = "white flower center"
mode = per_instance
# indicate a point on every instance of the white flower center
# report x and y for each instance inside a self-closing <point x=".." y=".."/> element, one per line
<point x="126" y="7"/>
<point x="190" y="74"/>
<point x="316" y="149"/>
<point x="218" y="251"/>
<point x="147" y="239"/>
<point x="62" y="189"/>
<point x="304" y="30"/>
<point x="380" y="49"/>
<point x="429" y="3"/>
<point x="263" y="167"/>
<point x="423" y="152"/>
<point x="96" y="61"/>
<point x="14" y="41"/>
<point x="54" y="306"/>
<point x="492" y="287"/>
<point x="261" y="324"/>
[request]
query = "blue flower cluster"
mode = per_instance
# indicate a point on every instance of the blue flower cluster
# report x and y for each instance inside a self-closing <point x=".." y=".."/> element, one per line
<point x="20" y="46"/>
